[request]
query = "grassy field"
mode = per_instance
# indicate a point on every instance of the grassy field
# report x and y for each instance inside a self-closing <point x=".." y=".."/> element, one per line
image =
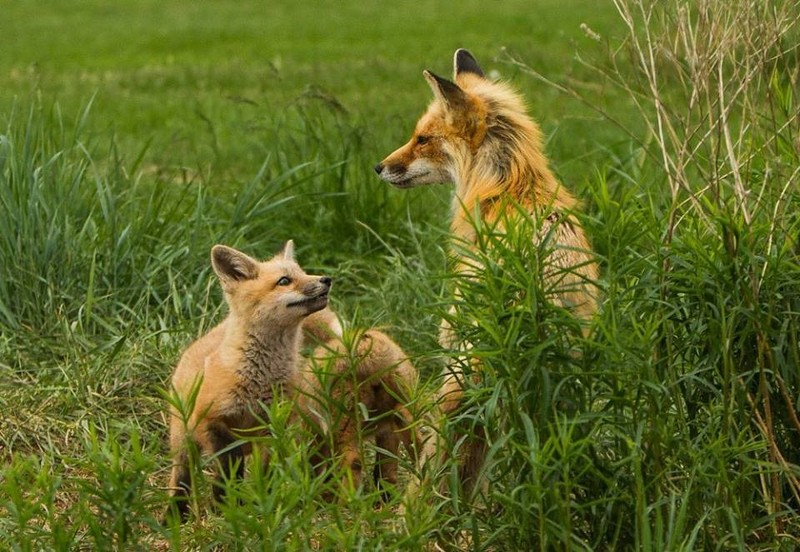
<point x="135" y="135"/>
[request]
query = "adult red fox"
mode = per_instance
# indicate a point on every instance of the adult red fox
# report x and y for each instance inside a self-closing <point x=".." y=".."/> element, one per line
<point x="354" y="389"/>
<point x="477" y="135"/>
<point x="225" y="378"/>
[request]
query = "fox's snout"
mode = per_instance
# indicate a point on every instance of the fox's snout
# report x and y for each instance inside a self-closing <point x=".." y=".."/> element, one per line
<point x="320" y="286"/>
<point x="390" y="172"/>
<point x="325" y="282"/>
<point x="400" y="174"/>
<point x="313" y="295"/>
<point x="316" y="286"/>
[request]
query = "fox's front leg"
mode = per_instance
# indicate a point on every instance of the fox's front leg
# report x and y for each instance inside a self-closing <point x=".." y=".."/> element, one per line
<point x="180" y="485"/>
<point x="230" y="456"/>
<point x="347" y="448"/>
<point x="472" y="453"/>
<point x="447" y="336"/>
<point x="387" y="442"/>
<point x="180" y="482"/>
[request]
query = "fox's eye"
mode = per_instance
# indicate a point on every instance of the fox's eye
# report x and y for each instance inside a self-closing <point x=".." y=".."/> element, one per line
<point x="284" y="281"/>
<point x="422" y="139"/>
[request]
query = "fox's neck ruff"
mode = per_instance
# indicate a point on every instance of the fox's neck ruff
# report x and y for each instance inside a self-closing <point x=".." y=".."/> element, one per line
<point x="508" y="165"/>
<point x="269" y="356"/>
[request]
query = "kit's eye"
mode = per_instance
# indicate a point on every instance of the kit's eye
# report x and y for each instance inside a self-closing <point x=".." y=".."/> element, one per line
<point x="284" y="281"/>
<point x="422" y="139"/>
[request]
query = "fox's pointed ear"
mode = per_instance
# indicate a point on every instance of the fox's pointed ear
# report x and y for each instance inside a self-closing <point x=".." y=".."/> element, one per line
<point x="288" y="251"/>
<point x="446" y="91"/>
<point x="464" y="62"/>
<point x="232" y="266"/>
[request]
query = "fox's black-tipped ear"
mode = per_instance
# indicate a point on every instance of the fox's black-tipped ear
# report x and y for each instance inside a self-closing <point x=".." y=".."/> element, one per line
<point x="446" y="91"/>
<point x="288" y="251"/>
<point x="232" y="266"/>
<point x="464" y="62"/>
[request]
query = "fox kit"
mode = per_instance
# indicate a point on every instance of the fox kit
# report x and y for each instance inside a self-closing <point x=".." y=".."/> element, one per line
<point x="352" y="390"/>
<point x="476" y="134"/>
<point x="226" y="377"/>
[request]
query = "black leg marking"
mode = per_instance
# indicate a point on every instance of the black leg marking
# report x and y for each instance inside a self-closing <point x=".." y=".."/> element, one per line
<point x="231" y="461"/>
<point x="181" y="483"/>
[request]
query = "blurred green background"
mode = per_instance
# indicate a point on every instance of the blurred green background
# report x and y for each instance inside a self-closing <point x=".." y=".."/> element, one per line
<point x="203" y="82"/>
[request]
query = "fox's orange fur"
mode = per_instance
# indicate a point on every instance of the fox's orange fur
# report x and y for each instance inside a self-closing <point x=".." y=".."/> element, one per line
<point x="321" y="326"/>
<point x="477" y="134"/>
<point x="343" y="381"/>
<point x="225" y="378"/>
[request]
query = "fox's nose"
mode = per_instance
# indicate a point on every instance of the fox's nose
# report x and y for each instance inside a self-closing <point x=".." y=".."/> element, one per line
<point x="325" y="281"/>
<point x="379" y="168"/>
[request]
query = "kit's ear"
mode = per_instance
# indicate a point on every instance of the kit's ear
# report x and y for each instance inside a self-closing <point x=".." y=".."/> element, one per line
<point x="232" y="266"/>
<point x="288" y="251"/>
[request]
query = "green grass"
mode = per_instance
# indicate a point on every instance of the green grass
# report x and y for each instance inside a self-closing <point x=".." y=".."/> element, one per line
<point x="135" y="135"/>
<point x="208" y="86"/>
